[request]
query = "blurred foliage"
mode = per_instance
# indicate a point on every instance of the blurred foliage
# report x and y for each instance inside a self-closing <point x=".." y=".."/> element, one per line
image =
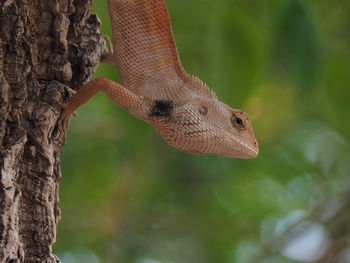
<point x="126" y="196"/>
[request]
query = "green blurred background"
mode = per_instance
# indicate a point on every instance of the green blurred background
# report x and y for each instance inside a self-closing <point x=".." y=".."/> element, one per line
<point x="126" y="196"/>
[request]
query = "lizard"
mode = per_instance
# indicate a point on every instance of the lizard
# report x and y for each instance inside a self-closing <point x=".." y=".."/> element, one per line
<point x="155" y="87"/>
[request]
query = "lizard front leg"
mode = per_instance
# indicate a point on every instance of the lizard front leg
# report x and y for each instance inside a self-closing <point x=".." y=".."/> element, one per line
<point x="123" y="97"/>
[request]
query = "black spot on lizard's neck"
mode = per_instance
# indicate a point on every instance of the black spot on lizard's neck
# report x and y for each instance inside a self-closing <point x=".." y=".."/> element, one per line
<point x="162" y="108"/>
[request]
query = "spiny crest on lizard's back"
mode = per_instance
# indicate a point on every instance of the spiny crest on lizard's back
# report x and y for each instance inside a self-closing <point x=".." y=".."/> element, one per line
<point x="202" y="88"/>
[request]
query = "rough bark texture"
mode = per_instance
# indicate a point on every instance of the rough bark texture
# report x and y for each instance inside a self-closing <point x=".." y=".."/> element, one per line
<point x="47" y="50"/>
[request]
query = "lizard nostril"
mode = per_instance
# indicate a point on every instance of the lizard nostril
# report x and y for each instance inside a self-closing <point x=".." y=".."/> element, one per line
<point x="203" y="110"/>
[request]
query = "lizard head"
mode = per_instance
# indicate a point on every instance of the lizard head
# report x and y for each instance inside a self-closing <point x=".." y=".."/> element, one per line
<point x="204" y="125"/>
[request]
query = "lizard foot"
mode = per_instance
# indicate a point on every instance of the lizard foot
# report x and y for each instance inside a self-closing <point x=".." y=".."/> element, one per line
<point x="62" y="123"/>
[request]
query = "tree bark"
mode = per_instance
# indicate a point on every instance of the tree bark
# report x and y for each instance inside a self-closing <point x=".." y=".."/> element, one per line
<point x="48" y="49"/>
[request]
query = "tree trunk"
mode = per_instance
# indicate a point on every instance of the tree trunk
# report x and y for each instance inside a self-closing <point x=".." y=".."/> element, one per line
<point x="48" y="49"/>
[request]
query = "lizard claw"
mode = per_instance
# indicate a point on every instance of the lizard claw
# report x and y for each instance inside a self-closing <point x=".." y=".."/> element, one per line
<point x="63" y="122"/>
<point x="108" y="55"/>
<point x="109" y="45"/>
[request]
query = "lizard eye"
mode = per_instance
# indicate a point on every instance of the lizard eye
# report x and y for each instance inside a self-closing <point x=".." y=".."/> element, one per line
<point x="237" y="122"/>
<point x="203" y="110"/>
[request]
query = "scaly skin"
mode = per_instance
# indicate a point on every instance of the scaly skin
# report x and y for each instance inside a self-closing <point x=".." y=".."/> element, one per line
<point x="156" y="89"/>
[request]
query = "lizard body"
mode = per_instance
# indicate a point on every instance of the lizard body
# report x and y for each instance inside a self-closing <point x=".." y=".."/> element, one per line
<point x="156" y="89"/>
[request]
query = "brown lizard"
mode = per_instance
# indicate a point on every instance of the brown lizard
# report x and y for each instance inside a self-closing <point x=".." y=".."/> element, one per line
<point x="156" y="89"/>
